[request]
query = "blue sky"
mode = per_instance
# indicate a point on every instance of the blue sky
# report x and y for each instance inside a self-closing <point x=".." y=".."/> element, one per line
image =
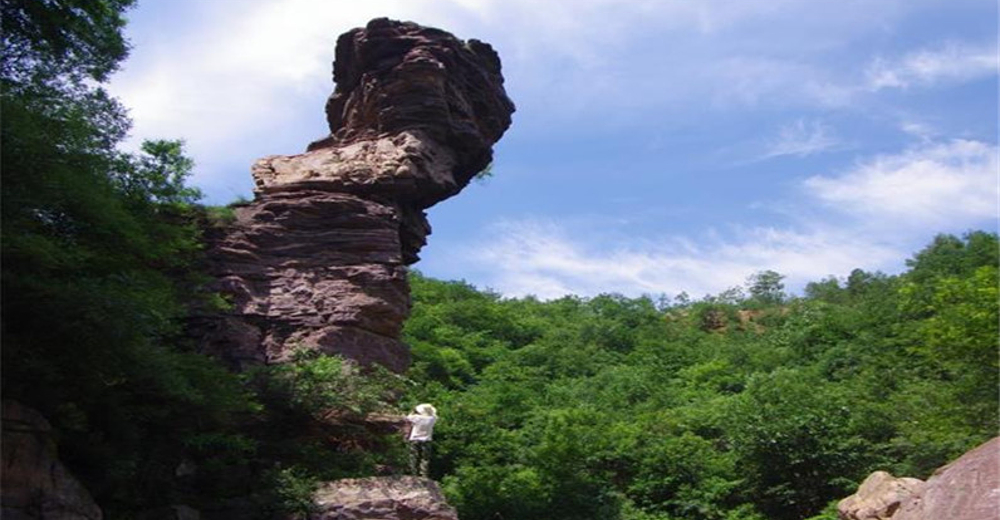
<point x="658" y="147"/>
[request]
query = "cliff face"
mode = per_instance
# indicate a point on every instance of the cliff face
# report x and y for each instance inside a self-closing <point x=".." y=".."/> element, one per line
<point x="318" y="260"/>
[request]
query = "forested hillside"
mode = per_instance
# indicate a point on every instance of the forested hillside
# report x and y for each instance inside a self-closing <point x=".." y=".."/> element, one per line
<point x="746" y="405"/>
<point x="751" y="404"/>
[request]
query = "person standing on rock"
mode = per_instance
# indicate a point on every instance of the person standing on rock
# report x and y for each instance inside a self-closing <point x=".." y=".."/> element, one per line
<point x="421" y="432"/>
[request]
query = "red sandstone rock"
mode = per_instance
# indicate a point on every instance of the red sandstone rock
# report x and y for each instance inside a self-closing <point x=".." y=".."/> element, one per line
<point x="381" y="498"/>
<point x="318" y="260"/>
<point x="966" y="489"/>
<point x="394" y="77"/>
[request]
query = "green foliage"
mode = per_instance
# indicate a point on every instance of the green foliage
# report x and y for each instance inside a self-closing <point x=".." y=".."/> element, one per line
<point x="293" y="491"/>
<point x="310" y="427"/>
<point x="791" y="434"/>
<point x="68" y="40"/>
<point x="727" y="408"/>
<point x="99" y="250"/>
<point x="156" y="178"/>
<point x="828" y="513"/>
<point x="313" y="384"/>
<point x="766" y="288"/>
<point x="220" y="216"/>
<point x="485" y="174"/>
<point x="950" y="302"/>
<point x="462" y="333"/>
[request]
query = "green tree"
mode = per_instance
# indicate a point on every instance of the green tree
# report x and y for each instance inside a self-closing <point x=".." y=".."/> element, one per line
<point x="157" y="178"/>
<point x="616" y="405"/>
<point x="766" y="287"/>
<point x="67" y="40"/>
<point x="950" y="303"/>
<point x="97" y="266"/>
<point x="791" y="433"/>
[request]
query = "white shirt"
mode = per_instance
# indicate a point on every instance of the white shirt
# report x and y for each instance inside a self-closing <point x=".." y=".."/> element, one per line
<point x="423" y="426"/>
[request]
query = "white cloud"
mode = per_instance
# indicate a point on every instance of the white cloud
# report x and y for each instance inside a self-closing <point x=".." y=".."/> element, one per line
<point x="769" y="79"/>
<point x="890" y="201"/>
<point x="802" y="138"/>
<point x="778" y="81"/>
<point x="760" y="80"/>
<point x="918" y="129"/>
<point x="933" y="185"/>
<point x="546" y="260"/>
<point x="948" y="63"/>
<point x="238" y="84"/>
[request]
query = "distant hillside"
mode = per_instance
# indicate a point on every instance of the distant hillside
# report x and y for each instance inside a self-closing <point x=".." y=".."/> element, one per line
<point x="732" y="407"/>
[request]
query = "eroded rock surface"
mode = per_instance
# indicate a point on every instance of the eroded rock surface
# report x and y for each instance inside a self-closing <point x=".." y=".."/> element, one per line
<point x="381" y="498"/>
<point x="966" y="489"/>
<point x="36" y="485"/>
<point x="318" y="260"/>
<point x="879" y="497"/>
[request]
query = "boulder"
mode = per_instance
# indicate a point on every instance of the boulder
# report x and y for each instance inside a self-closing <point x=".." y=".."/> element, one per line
<point x="879" y="497"/>
<point x="36" y="485"/>
<point x="966" y="489"/>
<point x="381" y="498"/>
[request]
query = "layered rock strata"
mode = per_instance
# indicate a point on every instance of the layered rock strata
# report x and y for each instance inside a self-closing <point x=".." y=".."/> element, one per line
<point x="318" y="259"/>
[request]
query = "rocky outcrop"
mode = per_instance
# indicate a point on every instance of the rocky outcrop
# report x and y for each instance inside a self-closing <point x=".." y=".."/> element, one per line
<point x="318" y="260"/>
<point x="966" y="489"/>
<point x="879" y="497"/>
<point x="36" y="485"/>
<point x="381" y="498"/>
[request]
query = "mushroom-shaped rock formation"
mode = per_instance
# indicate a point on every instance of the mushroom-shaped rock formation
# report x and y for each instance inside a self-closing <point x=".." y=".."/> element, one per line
<point x="318" y="259"/>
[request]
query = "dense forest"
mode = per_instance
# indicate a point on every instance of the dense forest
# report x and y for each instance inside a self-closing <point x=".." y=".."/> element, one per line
<point x="746" y="405"/>
<point x="750" y="404"/>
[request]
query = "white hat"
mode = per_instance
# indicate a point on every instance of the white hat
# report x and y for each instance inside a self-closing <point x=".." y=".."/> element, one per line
<point x="426" y="409"/>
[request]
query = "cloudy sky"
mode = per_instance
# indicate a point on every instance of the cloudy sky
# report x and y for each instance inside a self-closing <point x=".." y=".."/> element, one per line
<point x="658" y="146"/>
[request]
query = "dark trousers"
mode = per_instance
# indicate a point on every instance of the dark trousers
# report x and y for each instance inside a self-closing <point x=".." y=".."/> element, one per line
<point x="420" y="458"/>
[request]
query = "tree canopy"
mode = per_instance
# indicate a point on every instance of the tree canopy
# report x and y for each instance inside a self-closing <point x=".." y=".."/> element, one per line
<point x="99" y="249"/>
<point x="730" y="407"/>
